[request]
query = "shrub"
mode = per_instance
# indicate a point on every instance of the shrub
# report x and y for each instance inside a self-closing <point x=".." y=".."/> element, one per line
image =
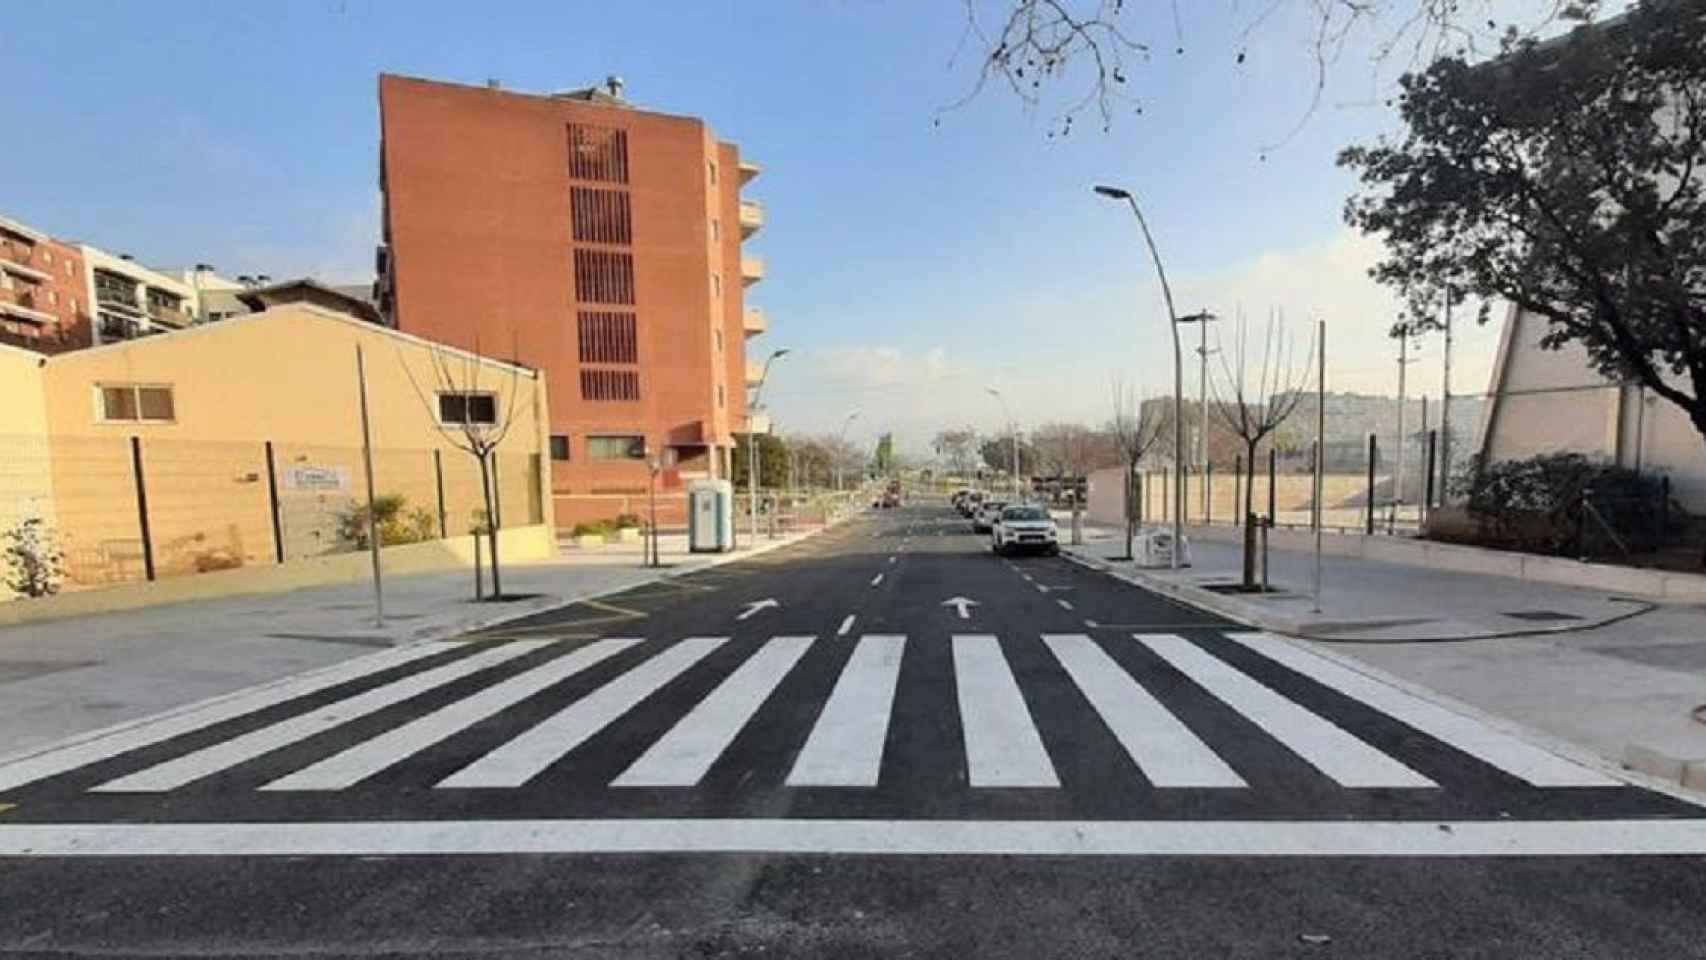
<point x="35" y="564"/>
<point x="629" y="521"/>
<point x="1535" y="504"/>
<point x="601" y="528"/>
<point x="395" y="522"/>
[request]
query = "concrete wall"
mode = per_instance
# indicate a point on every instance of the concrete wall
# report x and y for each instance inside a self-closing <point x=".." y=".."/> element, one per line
<point x="26" y="476"/>
<point x="287" y="376"/>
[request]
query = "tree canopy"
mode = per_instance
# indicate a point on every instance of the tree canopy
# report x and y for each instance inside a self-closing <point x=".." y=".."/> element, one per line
<point x="1564" y="178"/>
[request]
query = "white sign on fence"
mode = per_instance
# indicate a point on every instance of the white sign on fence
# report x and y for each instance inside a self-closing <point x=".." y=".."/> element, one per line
<point x="316" y="478"/>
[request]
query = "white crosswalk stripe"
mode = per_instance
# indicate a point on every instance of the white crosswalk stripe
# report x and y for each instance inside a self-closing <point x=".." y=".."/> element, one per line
<point x="526" y="756"/>
<point x="681" y="756"/>
<point x="106" y="745"/>
<point x="1348" y="761"/>
<point x="1491" y="746"/>
<point x="229" y="753"/>
<point x="1003" y="748"/>
<point x="1161" y="746"/>
<point x="845" y="747"/>
<point x="1002" y="742"/>
<point x="365" y="759"/>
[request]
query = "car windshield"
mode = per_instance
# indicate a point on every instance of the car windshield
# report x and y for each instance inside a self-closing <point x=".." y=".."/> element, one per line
<point x="1024" y="513"/>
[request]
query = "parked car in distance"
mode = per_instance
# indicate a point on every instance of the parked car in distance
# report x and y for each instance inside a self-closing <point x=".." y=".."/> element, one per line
<point x="1024" y="527"/>
<point x="984" y="518"/>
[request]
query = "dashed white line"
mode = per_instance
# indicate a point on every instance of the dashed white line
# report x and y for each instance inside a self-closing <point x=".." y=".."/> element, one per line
<point x="891" y="559"/>
<point x="846" y="626"/>
<point x="1064" y="605"/>
<point x="876" y="579"/>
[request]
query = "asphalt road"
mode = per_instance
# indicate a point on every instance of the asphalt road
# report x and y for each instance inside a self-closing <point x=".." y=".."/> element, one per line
<point x="883" y="741"/>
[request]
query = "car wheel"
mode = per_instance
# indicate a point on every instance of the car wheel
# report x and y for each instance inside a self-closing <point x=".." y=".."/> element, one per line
<point x="1054" y="550"/>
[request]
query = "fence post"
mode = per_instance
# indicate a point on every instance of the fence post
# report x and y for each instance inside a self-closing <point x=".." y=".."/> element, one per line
<point x="272" y="498"/>
<point x="438" y="474"/>
<point x="142" y="507"/>
<point x="1273" y="470"/>
<point x="1208" y="493"/>
<point x="1433" y="439"/>
<point x="1372" y="452"/>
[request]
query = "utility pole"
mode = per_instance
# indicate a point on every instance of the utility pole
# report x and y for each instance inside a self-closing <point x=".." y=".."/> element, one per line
<point x="1445" y="407"/>
<point x="1320" y="446"/>
<point x="367" y="464"/>
<point x="1202" y="405"/>
<point x="752" y="444"/>
<point x="1403" y="364"/>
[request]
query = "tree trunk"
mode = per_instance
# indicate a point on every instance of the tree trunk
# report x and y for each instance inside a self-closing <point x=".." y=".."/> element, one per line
<point x="1249" y="528"/>
<point x="491" y="526"/>
<point x="1130" y="505"/>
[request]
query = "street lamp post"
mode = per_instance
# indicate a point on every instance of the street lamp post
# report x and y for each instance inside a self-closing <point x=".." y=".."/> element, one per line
<point x="1173" y="321"/>
<point x="1012" y="435"/>
<point x="752" y="444"/>
<point x="1202" y="320"/>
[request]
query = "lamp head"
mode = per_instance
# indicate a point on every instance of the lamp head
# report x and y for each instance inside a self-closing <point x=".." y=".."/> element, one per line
<point x="1113" y="193"/>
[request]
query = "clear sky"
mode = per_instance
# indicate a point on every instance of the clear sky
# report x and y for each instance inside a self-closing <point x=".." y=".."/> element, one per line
<point x="912" y="263"/>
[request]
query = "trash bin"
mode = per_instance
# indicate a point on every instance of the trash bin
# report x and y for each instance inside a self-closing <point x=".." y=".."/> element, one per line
<point x="1153" y="547"/>
<point x="710" y="516"/>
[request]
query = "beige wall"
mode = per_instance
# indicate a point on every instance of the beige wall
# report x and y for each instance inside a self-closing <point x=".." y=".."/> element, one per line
<point x="287" y="375"/>
<point x="26" y="485"/>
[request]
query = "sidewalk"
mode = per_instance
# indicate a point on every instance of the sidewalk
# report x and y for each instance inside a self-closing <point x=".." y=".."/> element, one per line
<point x="59" y="678"/>
<point x="1618" y="677"/>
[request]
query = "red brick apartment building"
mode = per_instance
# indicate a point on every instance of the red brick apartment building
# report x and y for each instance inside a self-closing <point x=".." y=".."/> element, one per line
<point x="44" y="303"/>
<point x="598" y="242"/>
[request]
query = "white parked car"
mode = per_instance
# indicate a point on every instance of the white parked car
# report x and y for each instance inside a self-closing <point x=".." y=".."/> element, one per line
<point x="984" y="514"/>
<point x="1024" y="527"/>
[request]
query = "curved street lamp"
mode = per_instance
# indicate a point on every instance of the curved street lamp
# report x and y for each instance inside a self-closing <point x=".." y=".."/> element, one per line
<point x="840" y="441"/>
<point x="752" y="443"/>
<point x="1012" y="435"/>
<point x="1173" y="321"/>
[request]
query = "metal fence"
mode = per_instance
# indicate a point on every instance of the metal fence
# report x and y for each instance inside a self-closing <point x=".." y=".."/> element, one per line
<point x="125" y="508"/>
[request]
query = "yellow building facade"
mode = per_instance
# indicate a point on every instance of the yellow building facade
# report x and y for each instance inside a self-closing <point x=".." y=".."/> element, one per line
<point x="247" y="438"/>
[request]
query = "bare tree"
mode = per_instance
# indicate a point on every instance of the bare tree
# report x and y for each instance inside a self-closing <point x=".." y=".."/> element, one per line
<point x="463" y="422"/>
<point x="1030" y="46"/>
<point x="1136" y="426"/>
<point x="958" y="446"/>
<point x="1253" y="411"/>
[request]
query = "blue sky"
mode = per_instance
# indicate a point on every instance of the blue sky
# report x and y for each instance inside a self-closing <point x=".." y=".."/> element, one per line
<point x="911" y="263"/>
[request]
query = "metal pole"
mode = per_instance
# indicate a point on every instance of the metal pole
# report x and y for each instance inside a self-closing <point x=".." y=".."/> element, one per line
<point x="438" y="477"/>
<point x="1273" y="471"/>
<point x="1320" y="445"/>
<point x="1202" y="405"/>
<point x="367" y="461"/>
<point x="653" y="494"/>
<point x="1372" y="448"/>
<point x="1398" y="469"/>
<point x="142" y="507"/>
<point x="272" y="500"/>
<point x="751" y="480"/>
<point x="1208" y="490"/>
<point x="1426" y="484"/>
<point x="1445" y="408"/>
<point x="1433" y="443"/>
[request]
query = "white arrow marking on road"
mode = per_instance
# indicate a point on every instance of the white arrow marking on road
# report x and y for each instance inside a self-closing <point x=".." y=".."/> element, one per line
<point x="757" y="605"/>
<point x="961" y="604"/>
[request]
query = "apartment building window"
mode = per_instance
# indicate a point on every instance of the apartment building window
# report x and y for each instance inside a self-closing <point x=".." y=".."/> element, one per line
<point x="136" y="403"/>
<point x="559" y="446"/>
<point x="616" y="447"/>
<point x="610" y="385"/>
<point x="720" y="396"/>
<point x="461" y="408"/>
<point x="719" y="335"/>
<point x="601" y="216"/>
<point x="716" y="230"/>
<point x="68" y="268"/>
<point x="47" y="257"/>
<point x="711" y="170"/>
<point x="608" y="337"/>
<point x="716" y="284"/>
<point x="53" y="297"/>
<point x="602" y="276"/>
<point x="598" y="153"/>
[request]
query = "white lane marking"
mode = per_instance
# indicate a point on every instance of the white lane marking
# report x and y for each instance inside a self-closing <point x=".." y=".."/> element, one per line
<point x="1347" y="760"/>
<point x="528" y="754"/>
<point x="1003" y="748"/>
<point x="845" y="747"/>
<point x="681" y="757"/>
<point x="226" y="754"/>
<point x="891" y="559"/>
<point x="753" y="606"/>
<point x="99" y="746"/>
<point x="1064" y="604"/>
<point x="1487" y="744"/>
<point x="1167" y="752"/>
<point x="1041" y="588"/>
<point x="876" y="579"/>
<point x="365" y="759"/>
<point x="846" y="626"/>
<point x="1117" y="838"/>
<point x="1091" y="624"/>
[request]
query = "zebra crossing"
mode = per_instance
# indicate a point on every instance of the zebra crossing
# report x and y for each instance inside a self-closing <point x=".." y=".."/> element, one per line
<point x="1001" y="739"/>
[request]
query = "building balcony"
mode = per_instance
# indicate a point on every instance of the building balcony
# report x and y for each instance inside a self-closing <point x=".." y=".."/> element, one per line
<point x="12" y="266"/>
<point x="755" y="322"/>
<point x="748" y="170"/>
<point x="115" y="327"/>
<point x="117" y="297"/>
<point x="751" y="270"/>
<point x="751" y="217"/>
<point x="21" y="305"/>
<point x="169" y="316"/>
